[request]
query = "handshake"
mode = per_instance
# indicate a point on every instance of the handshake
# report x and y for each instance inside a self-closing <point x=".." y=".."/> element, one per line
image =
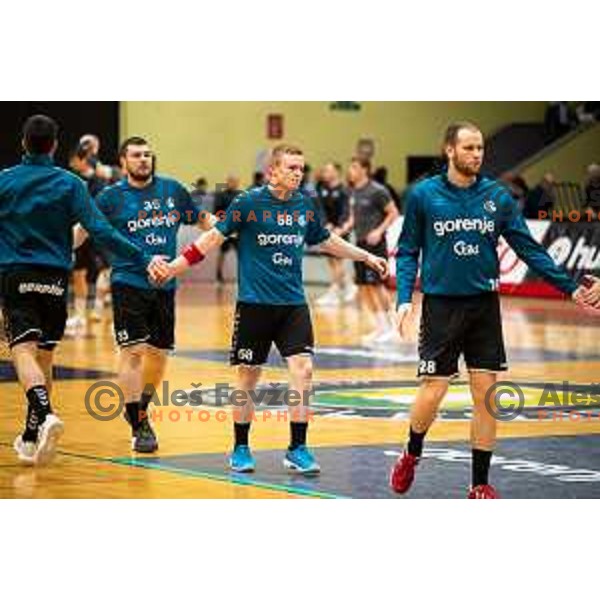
<point x="587" y="295"/>
<point x="160" y="271"/>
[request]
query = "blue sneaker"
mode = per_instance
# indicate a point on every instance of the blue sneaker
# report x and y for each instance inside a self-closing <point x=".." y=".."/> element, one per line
<point x="241" y="460"/>
<point x="302" y="461"/>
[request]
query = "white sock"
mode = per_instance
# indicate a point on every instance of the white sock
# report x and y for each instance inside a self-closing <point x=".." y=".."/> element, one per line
<point x="383" y="322"/>
<point x="80" y="307"/>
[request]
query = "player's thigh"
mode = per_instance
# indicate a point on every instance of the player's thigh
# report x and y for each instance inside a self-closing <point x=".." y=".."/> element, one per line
<point x="440" y="337"/>
<point x="161" y="319"/>
<point x="34" y="305"/>
<point x="253" y="333"/>
<point x="131" y="315"/>
<point x="484" y="339"/>
<point x="295" y="334"/>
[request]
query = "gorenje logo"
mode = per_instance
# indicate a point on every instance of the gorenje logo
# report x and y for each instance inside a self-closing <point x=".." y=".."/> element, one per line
<point x="483" y="226"/>
<point x="157" y="221"/>
<point x="281" y="239"/>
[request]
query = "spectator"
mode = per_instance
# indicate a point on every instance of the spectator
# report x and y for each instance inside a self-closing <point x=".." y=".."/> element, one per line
<point x="592" y="188"/>
<point x="223" y="198"/>
<point x="540" y="198"/>
<point x="380" y="176"/>
<point x="258" y="179"/>
<point x="558" y="121"/>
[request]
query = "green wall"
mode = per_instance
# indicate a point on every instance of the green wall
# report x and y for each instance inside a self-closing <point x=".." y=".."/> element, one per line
<point x="214" y="138"/>
<point x="568" y="160"/>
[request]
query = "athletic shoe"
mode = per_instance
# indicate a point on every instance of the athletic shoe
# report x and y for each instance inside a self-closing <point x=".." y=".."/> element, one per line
<point x="483" y="492"/>
<point x="48" y="435"/>
<point x="302" y="461"/>
<point x="76" y="326"/>
<point x="329" y="298"/>
<point x="388" y="337"/>
<point x="241" y="460"/>
<point x="144" y="439"/>
<point x="368" y="340"/>
<point x="403" y="473"/>
<point x="349" y="293"/>
<point x="25" y="450"/>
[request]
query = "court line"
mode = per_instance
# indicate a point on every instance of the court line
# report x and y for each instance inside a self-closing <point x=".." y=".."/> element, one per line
<point x="235" y="479"/>
<point x="232" y="479"/>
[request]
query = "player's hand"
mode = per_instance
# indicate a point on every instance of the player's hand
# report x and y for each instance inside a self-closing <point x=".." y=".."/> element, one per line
<point x="405" y="320"/>
<point x="159" y="270"/>
<point x="374" y="237"/>
<point x="378" y="264"/>
<point x="587" y="295"/>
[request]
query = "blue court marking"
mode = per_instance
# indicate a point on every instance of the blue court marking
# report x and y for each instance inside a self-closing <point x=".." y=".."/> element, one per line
<point x="356" y="357"/>
<point x="541" y="467"/>
<point x="158" y="464"/>
<point x="7" y="373"/>
<point x="177" y="465"/>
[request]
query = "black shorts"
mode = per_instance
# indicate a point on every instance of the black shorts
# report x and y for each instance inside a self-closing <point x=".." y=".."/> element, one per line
<point x="34" y="305"/>
<point x="144" y="316"/>
<point x="230" y="243"/>
<point x="89" y="259"/>
<point x="363" y="274"/>
<point x="455" y="325"/>
<point x="258" y="326"/>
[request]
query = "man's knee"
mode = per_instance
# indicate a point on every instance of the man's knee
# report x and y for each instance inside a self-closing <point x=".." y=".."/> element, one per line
<point x="301" y="367"/>
<point x="248" y="375"/>
<point x="133" y="355"/>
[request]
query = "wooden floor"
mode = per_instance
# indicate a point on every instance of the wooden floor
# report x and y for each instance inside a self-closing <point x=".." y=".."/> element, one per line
<point x="550" y="340"/>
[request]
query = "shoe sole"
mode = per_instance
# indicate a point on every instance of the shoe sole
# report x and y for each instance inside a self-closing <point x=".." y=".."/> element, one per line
<point x="23" y="459"/>
<point x="145" y="450"/>
<point x="242" y="470"/>
<point x="49" y="437"/>
<point x="290" y="466"/>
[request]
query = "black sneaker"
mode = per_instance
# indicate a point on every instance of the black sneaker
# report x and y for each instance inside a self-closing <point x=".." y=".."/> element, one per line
<point x="144" y="439"/>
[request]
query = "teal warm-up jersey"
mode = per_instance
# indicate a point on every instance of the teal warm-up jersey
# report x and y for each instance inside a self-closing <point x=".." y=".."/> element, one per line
<point x="39" y="204"/>
<point x="272" y="236"/>
<point x="149" y="217"/>
<point x="456" y="231"/>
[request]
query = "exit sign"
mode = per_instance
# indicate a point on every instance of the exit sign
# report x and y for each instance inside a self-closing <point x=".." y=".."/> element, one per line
<point x="345" y="105"/>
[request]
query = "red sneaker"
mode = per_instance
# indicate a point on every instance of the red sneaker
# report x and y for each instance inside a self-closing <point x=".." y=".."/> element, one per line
<point x="483" y="492"/>
<point x="403" y="473"/>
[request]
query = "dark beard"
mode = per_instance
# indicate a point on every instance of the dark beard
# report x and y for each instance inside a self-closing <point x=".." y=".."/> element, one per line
<point x="140" y="178"/>
<point x="465" y="170"/>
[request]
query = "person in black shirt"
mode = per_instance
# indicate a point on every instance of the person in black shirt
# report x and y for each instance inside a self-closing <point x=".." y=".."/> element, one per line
<point x="334" y="203"/>
<point x="223" y="199"/>
<point x="90" y="265"/>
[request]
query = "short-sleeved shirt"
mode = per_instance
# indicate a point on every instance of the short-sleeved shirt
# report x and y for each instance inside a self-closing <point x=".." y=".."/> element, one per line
<point x="368" y="205"/>
<point x="272" y="236"/>
<point x="150" y="217"/>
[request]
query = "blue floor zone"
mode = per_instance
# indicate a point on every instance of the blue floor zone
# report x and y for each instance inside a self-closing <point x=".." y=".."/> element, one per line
<point x="357" y="357"/>
<point x="7" y="373"/>
<point x="550" y="467"/>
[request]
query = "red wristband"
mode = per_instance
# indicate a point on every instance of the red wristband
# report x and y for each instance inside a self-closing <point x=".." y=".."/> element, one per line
<point x="192" y="254"/>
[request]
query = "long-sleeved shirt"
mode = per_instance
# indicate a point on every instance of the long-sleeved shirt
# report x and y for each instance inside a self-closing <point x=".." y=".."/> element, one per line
<point x="39" y="204"/>
<point x="455" y="231"/>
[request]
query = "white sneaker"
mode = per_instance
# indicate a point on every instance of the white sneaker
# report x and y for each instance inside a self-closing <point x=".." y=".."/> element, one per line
<point x="25" y="450"/>
<point x="349" y="294"/>
<point x="330" y="298"/>
<point x="369" y="339"/>
<point x="388" y="337"/>
<point x="76" y="324"/>
<point x="49" y="433"/>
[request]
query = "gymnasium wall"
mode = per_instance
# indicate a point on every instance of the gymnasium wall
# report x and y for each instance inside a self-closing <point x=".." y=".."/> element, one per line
<point x="567" y="161"/>
<point x="213" y="138"/>
<point x="74" y="119"/>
